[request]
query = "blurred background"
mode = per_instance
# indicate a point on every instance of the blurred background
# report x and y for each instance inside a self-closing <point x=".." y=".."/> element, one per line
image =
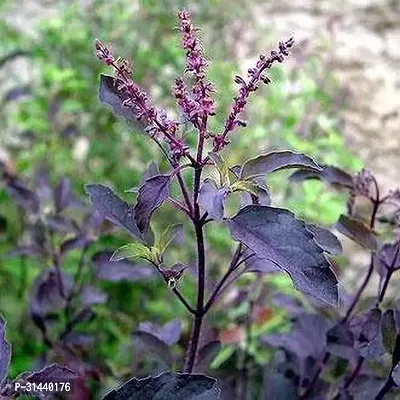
<point x="337" y="98"/>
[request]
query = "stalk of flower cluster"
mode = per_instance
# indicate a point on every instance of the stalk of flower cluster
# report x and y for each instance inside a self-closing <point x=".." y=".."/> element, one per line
<point x="138" y="101"/>
<point x="255" y="76"/>
<point x="196" y="105"/>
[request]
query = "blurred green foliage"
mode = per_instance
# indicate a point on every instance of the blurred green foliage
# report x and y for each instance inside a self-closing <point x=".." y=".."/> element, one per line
<point x="63" y="125"/>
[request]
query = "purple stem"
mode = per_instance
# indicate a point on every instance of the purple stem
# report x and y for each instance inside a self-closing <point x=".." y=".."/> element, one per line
<point x="221" y="283"/>
<point x="360" y="291"/>
<point x="389" y="274"/>
<point x="201" y="258"/>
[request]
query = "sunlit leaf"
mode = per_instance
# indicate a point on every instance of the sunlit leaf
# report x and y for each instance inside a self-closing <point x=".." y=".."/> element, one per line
<point x="275" y="235"/>
<point x="152" y="195"/>
<point x="357" y="231"/>
<point x="265" y="164"/>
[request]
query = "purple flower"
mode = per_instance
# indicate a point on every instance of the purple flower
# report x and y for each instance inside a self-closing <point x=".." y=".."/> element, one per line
<point x="159" y="126"/>
<point x="255" y="76"/>
<point x="197" y="104"/>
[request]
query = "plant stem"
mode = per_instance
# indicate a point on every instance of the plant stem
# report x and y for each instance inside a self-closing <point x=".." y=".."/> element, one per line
<point x="310" y="387"/>
<point x="385" y="286"/>
<point x="387" y="386"/>
<point x="218" y="287"/>
<point x="185" y="192"/>
<point x="355" y="373"/>
<point x="24" y="277"/>
<point x="201" y="257"/>
<point x="194" y="340"/>
<point x="360" y="291"/>
<point x="389" y="274"/>
<point x="353" y="376"/>
<point x="183" y="301"/>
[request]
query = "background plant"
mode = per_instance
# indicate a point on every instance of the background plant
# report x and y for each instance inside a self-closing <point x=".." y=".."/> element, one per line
<point x="141" y="302"/>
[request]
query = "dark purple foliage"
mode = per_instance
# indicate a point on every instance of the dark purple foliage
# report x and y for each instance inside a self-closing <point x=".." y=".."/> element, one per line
<point x="5" y="352"/>
<point x="166" y="385"/>
<point x="122" y="270"/>
<point x="211" y="199"/>
<point x="152" y="194"/>
<point x="111" y="207"/>
<point x="169" y="333"/>
<point x="329" y="174"/>
<point x="339" y="346"/>
<point x="277" y="236"/>
<point x="357" y="231"/>
<point x="265" y="164"/>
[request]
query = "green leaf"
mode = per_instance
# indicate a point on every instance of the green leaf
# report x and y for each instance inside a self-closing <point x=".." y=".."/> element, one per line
<point x="222" y="167"/>
<point x="389" y="332"/>
<point x="165" y="239"/>
<point x="136" y="250"/>
<point x="223" y="355"/>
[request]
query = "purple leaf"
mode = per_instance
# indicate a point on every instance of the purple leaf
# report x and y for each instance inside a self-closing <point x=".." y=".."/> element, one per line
<point x="365" y="387"/>
<point x="77" y="242"/>
<point x="152" y="195"/>
<point x="275" y="235"/>
<point x="168" y="385"/>
<point x="370" y="337"/>
<point x="52" y="373"/>
<point x="5" y="352"/>
<point x="148" y="344"/>
<point x="278" y="387"/>
<point x="110" y="95"/>
<point x="169" y="333"/>
<point x="61" y="224"/>
<point x="388" y="257"/>
<point x="46" y="297"/>
<point x="276" y="161"/>
<point x="255" y="264"/>
<point x="16" y="93"/>
<point x="23" y="196"/>
<point x="111" y="207"/>
<point x="91" y="295"/>
<point x="211" y="199"/>
<point x="290" y="304"/>
<point x="329" y="174"/>
<point x="151" y="171"/>
<point x="124" y="270"/>
<point x="42" y="186"/>
<point x="340" y="340"/>
<point x="63" y="195"/>
<point x="29" y="250"/>
<point x="357" y="231"/>
<point x="206" y="355"/>
<point x="307" y="339"/>
<point x="325" y="239"/>
<point x="80" y="340"/>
